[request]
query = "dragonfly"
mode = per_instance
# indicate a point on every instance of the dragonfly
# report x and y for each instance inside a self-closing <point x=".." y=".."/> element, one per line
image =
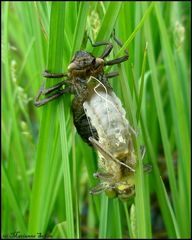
<point x="99" y="117"/>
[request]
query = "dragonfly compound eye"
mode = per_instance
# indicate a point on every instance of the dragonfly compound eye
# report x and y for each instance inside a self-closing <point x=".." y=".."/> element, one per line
<point x="99" y="62"/>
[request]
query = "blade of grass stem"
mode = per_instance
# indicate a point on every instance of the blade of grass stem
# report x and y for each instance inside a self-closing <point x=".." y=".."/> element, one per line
<point x="80" y="26"/>
<point x="141" y="85"/>
<point x="108" y="23"/>
<point x="103" y="217"/>
<point x="140" y="24"/>
<point x="66" y="173"/>
<point x="161" y="116"/>
<point x="13" y="201"/>
<point x="163" y="201"/>
<point x="180" y="121"/>
<point x="45" y="145"/>
<point x="128" y="220"/>
<point x="19" y="155"/>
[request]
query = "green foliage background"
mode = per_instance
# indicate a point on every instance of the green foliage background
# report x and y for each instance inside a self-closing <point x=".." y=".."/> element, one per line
<point x="47" y="170"/>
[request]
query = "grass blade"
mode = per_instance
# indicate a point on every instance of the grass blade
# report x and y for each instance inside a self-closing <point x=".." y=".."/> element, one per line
<point x="103" y="217"/>
<point x="80" y="26"/>
<point x="13" y="202"/>
<point x="45" y="164"/>
<point x="140" y="24"/>
<point x="180" y="121"/>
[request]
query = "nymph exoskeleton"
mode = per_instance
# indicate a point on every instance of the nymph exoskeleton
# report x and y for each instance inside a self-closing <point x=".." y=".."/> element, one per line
<point x="99" y="117"/>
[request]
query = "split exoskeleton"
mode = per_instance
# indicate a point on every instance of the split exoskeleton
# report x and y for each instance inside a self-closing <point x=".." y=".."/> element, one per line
<point x="99" y="117"/>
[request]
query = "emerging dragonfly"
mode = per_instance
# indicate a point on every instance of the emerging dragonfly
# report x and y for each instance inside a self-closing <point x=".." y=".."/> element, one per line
<point x="99" y="117"/>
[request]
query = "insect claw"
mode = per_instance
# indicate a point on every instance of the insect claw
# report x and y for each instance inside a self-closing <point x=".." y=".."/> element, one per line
<point x="96" y="175"/>
<point x="91" y="192"/>
<point x="147" y="168"/>
<point x="135" y="132"/>
<point x="99" y="188"/>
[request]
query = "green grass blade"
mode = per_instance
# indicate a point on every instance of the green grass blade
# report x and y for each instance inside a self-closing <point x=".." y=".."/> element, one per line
<point x="60" y="231"/>
<point x="163" y="201"/>
<point x="171" y="212"/>
<point x="45" y="164"/>
<point x="80" y="26"/>
<point x="128" y="220"/>
<point x="161" y="116"/>
<point x="142" y="202"/>
<point x="114" y="219"/>
<point x="109" y="20"/>
<point x="13" y="201"/>
<point x="142" y="199"/>
<point x="19" y="155"/>
<point x="66" y="173"/>
<point x="103" y="217"/>
<point x="141" y="85"/>
<point x="140" y="24"/>
<point x="180" y="120"/>
<point x="108" y="23"/>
